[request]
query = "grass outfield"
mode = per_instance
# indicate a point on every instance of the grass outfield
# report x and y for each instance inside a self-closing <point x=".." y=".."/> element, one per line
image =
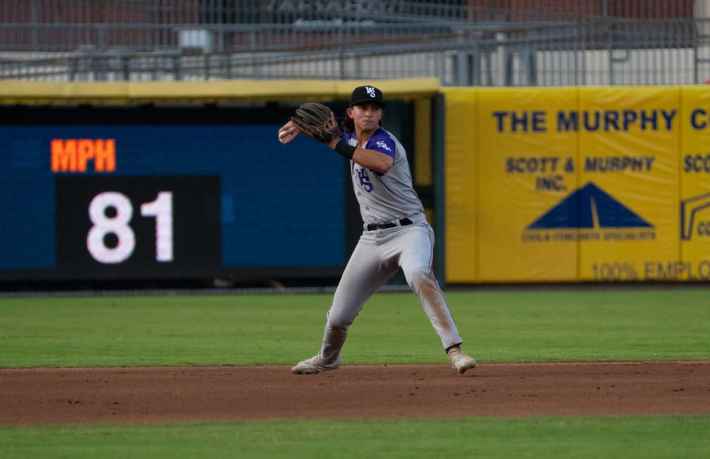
<point x="549" y="438"/>
<point x="498" y="326"/>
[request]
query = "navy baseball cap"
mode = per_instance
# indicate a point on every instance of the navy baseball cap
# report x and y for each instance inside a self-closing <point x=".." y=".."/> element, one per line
<point x="367" y="95"/>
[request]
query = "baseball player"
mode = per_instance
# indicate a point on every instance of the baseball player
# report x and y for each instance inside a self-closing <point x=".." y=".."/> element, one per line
<point x="395" y="234"/>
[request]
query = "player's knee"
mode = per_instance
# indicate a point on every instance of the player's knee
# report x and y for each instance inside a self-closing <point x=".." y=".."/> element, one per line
<point x="420" y="279"/>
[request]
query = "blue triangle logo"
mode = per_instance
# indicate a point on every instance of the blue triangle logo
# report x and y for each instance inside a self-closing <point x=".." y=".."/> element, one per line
<point x="589" y="207"/>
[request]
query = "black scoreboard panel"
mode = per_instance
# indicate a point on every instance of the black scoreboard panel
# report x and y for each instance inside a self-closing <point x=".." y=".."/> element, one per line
<point x="138" y="226"/>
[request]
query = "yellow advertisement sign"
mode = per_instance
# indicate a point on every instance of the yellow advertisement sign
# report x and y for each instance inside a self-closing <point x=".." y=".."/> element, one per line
<point x="628" y="173"/>
<point x="461" y="185"/>
<point x="694" y="206"/>
<point x="589" y="184"/>
<point x="527" y="166"/>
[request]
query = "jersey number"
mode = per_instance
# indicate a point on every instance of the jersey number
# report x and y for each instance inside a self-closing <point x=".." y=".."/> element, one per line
<point x="365" y="182"/>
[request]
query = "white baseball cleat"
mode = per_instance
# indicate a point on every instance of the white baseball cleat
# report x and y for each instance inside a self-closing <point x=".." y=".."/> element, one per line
<point x="460" y="361"/>
<point x="314" y="365"/>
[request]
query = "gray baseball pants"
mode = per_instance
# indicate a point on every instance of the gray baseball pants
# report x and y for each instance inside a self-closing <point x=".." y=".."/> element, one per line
<point x="376" y="258"/>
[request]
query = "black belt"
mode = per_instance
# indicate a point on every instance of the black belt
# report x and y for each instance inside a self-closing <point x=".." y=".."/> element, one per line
<point x="376" y="226"/>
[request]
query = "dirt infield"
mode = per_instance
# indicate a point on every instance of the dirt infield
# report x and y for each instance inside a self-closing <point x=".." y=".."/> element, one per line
<point x="161" y="395"/>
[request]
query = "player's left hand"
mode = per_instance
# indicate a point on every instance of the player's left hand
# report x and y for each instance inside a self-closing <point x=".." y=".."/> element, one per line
<point x="316" y="121"/>
<point x="288" y="132"/>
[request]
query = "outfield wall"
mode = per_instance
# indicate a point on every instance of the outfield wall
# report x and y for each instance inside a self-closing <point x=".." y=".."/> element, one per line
<point x="172" y="181"/>
<point x="522" y="184"/>
<point x="577" y="184"/>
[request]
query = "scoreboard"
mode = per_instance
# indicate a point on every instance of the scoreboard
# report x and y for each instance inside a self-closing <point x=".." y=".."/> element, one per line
<point x="138" y="225"/>
<point x="156" y="193"/>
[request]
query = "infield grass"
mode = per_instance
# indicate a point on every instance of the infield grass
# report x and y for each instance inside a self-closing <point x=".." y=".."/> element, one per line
<point x="497" y="326"/>
<point x="549" y="438"/>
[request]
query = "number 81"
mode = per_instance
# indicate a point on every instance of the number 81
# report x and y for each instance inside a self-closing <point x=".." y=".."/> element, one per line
<point x="161" y="209"/>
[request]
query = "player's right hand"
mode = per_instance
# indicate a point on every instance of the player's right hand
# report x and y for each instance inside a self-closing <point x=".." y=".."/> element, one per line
<point x="288" y="132"/>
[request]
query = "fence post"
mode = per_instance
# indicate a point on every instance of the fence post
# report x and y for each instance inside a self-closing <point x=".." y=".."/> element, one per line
<point x="509" y="67"/>
<point x="475" y="64"/>
<point x="124" y="59"/>
<point x="578" y="53"/>
<point x="610" y="50"/>
<point x="461" y="64"/>
<point x="177" y="67"/>
<point x="341" y="60"/>
<point x="530" y="64"/>
<point x="35" y="25"/>
<point x="72" y="68"/>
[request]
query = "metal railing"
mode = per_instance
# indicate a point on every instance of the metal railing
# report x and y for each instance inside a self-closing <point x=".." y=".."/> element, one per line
<point x="460" y="42"/>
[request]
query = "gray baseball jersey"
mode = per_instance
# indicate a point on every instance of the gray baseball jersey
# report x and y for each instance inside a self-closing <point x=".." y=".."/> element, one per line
<point x="388" y="197"/>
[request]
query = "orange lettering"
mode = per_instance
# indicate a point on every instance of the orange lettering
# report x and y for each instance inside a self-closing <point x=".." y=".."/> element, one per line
<point x="63" y="155"/>
<point x="85" y="153"/>
<point x="105" y="155"/>
<point x="73" y="155"/>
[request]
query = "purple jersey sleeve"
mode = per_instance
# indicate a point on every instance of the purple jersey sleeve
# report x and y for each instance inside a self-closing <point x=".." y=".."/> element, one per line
<point x="382" y="143"/>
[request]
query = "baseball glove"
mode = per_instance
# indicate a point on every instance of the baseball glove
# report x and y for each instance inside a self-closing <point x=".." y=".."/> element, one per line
<point x="316" y="121"/>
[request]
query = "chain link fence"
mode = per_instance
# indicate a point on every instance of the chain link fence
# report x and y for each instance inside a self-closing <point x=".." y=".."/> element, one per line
<point x="474" y="42"/>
